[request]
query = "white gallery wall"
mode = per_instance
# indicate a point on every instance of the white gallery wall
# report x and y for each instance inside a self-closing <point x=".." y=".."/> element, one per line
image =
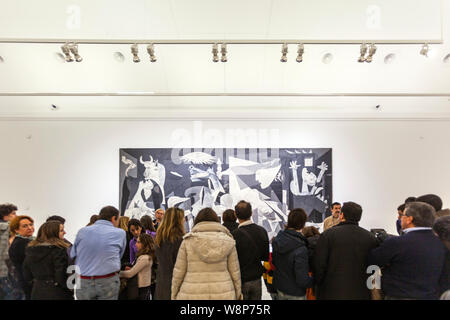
<point x="71" y="168"/>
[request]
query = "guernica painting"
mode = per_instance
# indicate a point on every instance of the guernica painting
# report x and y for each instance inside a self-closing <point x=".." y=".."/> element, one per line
<point x="273" y="180"/>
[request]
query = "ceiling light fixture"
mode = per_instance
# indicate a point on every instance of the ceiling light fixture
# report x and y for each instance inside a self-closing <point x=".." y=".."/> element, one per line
<point x="65" y="49"/>
<point x="327" y="58"/>
<point x="300" y="51"/>
<point x="215" y="52"/>
<point x="284" y="51"/>
<point x="73" y="47"/>
<point x="223" y="51"/>
<point x="151" y="52"/>
<point x="372" y="51"/>
<point x="389" y="58"/>
<point x="424" y="50"/>
<point x="118" y="56"/>
<point x="362" y="52"/>
<point x="135" y="52"/>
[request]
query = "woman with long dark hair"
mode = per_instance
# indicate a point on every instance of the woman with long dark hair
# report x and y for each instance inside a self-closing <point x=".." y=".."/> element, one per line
<point x="134" y="230"/>
<point x="46" y="263"/>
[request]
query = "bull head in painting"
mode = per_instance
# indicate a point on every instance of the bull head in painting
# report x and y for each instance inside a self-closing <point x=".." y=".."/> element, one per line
<point x="154" y="171"/>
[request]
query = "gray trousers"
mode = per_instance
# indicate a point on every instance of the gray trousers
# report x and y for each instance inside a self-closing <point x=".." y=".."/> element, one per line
<point x="251" y="290"/>
<point x="99" y="289"/>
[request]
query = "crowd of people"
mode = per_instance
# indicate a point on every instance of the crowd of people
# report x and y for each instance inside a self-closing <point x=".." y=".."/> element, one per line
<point x="115" y="257"/>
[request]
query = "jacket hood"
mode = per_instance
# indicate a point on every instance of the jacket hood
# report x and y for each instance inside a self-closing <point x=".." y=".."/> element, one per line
<point x="211" y="241"/>
<point x="288" y="240"/>
<point x="39" y="252"/>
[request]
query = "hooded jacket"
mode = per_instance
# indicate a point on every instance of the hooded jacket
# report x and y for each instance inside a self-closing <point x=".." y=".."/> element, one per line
<point x="290" y="258"/>
<point x="207" y="266"/>
<point x="4" y="244"/>
<point x="45" y="266"/>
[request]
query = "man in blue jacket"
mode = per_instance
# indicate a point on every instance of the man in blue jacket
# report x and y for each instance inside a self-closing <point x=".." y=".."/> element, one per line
<point x="412" y="263"/>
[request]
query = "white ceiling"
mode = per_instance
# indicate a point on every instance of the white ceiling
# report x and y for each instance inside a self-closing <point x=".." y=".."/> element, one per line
<point x="256" y="69"/>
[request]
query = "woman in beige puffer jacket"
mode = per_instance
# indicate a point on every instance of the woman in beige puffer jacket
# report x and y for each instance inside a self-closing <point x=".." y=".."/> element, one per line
<point x="207" y="266"/>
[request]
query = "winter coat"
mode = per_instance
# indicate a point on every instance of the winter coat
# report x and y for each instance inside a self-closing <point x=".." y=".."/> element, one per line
<point x="207" y="266"/>
<point x="341" y="261"/>
<point x="4" y="244"/>
<point x="290" y="258"/>
<point x="45" y="267"/>
<point x="17" y="256"/>
<point x="166" y="255"/>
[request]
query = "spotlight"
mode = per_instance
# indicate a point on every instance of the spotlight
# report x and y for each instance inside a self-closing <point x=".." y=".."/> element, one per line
<point x="151" y="52"/>
<point x="284" y="51"/>
<point x="215" y="52"/>
<point x="362" y="52"/>
<point x="300" y="51"/>
<point x="372" y="51"/>
<point x="327" y="58"/>
<point x="424" y="50"/>
<point x="74" y="49"/>
<point x="223" y="51"/>
<point x="389" y="58"/>
<point x="118" y="56"/>
<point x="135" y="51"/>
<point x="65" y="49"/>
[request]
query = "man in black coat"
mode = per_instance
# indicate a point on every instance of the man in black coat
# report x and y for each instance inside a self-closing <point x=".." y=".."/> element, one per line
<point x="252" y="246"/>
<point x="442" y="228"/>
<point x="340" y="260"/>
<point x="412" y="263"/>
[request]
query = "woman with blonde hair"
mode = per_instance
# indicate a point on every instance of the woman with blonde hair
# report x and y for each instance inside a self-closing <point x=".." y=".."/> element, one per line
<point x="169" y="236"/>
<point x="46" y="263"/>
<point x="210" y="252"/>
<point x="123" y="224"/>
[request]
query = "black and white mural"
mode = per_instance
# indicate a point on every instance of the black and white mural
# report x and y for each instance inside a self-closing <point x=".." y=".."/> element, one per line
<point x="272" y="180"/>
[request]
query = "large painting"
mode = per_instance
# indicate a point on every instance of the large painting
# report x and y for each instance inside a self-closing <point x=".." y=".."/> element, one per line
<point x="272" y="180"/>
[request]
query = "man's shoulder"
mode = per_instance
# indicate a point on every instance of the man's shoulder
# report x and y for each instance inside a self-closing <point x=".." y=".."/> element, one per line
<point x="254" y="228"/>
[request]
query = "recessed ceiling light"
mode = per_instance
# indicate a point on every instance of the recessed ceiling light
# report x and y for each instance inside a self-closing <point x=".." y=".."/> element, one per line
<point x="327" y="58"/>
<point x="389" y="58"/>
<point x="446" y="58"/>
<point x="119" y="57"/>
<point x="60" y="57"/>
